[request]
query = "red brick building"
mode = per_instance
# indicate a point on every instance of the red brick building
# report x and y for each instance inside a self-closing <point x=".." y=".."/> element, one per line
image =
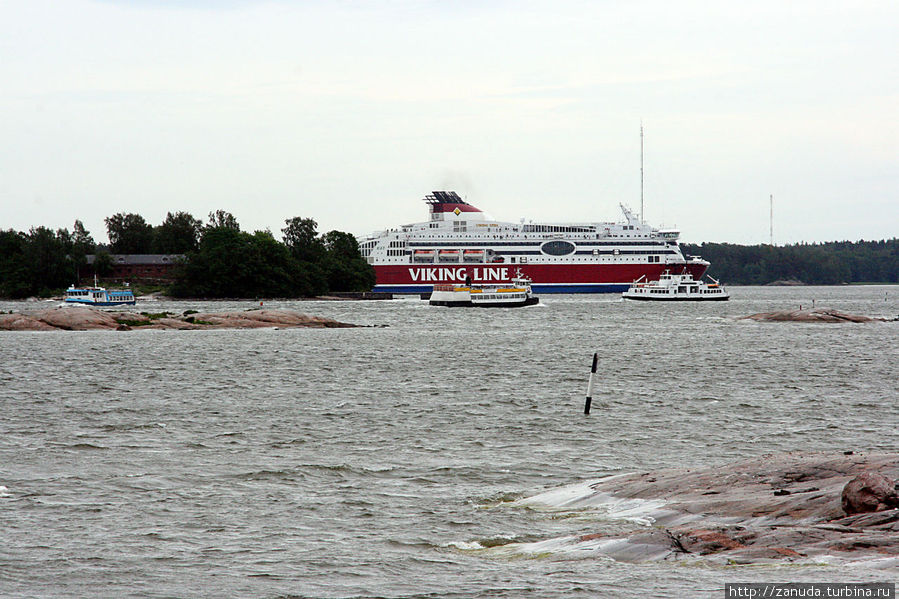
<point x="150" y="268"/>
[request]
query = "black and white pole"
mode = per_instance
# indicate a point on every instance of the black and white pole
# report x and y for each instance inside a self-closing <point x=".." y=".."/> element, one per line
<point x="590" y="384"/>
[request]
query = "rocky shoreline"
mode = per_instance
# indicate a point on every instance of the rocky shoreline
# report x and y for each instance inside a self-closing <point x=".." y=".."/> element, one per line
<point x="774" y="508"/>
<point x="83" y="318"/>
<point x="811" y="315"/>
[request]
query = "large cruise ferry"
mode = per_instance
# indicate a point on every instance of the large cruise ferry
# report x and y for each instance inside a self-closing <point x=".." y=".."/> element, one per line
<point x="460" y="242"/>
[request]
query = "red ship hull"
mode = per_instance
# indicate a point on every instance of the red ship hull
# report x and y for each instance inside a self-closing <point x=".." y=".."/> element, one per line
<point x="547" y="278"/>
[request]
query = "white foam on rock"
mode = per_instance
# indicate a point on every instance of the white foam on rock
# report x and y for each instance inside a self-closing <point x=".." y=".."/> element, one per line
<point x="582" y="496"/>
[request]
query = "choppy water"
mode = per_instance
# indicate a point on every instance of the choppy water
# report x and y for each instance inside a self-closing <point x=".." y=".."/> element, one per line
<point x="386" y="462"/>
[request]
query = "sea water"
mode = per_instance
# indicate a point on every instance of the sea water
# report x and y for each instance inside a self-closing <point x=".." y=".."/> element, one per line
<point x="397" y="460"/>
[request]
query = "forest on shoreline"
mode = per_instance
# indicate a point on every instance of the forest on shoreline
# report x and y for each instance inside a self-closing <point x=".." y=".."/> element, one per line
<point x="830" y="263"/>
<point x="221" y="261"/>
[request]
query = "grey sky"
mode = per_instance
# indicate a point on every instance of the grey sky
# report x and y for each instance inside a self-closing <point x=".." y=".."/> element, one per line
<point x="349" y="113"/>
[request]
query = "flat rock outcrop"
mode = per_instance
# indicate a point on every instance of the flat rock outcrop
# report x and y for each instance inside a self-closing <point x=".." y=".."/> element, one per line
<point x="84" y="318"/>
<point x="813" y="315"/>
<point x="769" y="509"/>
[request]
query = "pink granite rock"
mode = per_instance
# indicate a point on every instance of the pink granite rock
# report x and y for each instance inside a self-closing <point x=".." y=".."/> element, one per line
<point x="815" y="315"/>
<point x="869" y="492"/>
<point x="84" y="318"/>
<point x="771" y="508"/>
<point x="22" y="322"/>
<point x="77" y="318"/>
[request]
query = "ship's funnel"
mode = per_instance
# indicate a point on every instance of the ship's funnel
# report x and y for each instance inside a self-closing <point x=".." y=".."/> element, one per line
<point x="447" y="205"/>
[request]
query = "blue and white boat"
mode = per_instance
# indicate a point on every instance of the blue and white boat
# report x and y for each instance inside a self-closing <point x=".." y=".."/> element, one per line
<point x="99" y="296"/>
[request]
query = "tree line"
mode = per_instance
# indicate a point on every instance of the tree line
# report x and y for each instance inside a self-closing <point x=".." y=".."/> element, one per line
<point x="831" y="263"/>
<point x="219" y="260"/>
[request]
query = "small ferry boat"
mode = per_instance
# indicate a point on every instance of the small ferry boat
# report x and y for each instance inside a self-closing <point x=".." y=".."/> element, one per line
<point x="498" y="295"/>
<point x="99" y="296"/>
<point x="672" y="287"/>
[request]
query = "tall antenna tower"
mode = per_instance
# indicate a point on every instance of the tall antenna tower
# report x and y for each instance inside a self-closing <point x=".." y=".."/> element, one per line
<point x="641" y="173"/>
<point x="771" y="219"/>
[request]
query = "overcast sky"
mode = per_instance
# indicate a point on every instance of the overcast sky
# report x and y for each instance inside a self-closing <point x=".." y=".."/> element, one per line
<point x="350" y="112"/>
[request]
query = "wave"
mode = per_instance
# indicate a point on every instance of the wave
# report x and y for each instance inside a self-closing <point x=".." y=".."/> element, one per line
<point x="288" y="475"/>
<point x="86" y="446"/>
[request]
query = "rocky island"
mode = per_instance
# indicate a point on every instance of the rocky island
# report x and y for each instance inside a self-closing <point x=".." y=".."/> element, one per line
<point x="774" y="508"/>
<point x="812" y="315"/>
<point x="82" y="318"/>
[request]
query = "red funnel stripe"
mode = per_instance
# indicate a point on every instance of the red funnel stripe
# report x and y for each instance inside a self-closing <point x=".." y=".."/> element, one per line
<point x="452" y="208"/>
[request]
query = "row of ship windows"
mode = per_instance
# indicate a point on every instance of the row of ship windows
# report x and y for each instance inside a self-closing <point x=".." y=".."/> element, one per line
<point x="503" y="296"/>
<point x="461" y="225"/>
<point x="680" y="290"/>
<point x="429" y="245"/>
<point x="366" y="250"/>
<point x="655" y="253"/>
<point x="494" y="236"/>
<point x="521" y="259"/>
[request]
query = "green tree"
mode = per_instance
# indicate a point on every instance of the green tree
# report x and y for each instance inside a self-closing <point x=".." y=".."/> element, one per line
<point x="82" y="239"/>
<point x="15" y="280"/>
<point x="301" y="236"/>
<point x="179" y="233"/>
<point x="306" y="247"/>
<point x="222" y="220"/>
<point x="48" y="261"/>
<point x="103" y="263"/>
<point x="82" y="245"/>
<point x="129" y="234"/>
<point x="346" y="269"/>
<point x="230" y="263"/>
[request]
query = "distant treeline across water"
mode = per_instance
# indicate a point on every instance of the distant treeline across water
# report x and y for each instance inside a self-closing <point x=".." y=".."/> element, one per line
<point x="830" y="263"/>
<point x="220" y="260"/>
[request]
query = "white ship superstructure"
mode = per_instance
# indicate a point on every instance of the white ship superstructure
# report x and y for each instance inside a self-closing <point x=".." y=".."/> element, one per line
<point x="459" y="241"/>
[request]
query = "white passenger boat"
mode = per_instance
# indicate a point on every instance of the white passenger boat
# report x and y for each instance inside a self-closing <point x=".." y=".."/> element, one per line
<point x="99" y="296"/>
<point x="499" y="295"/>
<point x="671" y="287"/>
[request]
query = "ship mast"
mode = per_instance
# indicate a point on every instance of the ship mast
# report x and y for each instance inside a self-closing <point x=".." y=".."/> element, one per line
<point x="641" y="172"/>
<point x="771" y="219"/>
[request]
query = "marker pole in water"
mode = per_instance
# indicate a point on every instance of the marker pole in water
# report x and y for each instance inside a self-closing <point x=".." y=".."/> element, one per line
<point x="590" y="384"/>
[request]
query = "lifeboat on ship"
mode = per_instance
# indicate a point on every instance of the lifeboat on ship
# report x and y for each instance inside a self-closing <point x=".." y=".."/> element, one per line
<point x="448" y="256"/>
<point x="423" y="256"/>
<point x="473" y="256"/>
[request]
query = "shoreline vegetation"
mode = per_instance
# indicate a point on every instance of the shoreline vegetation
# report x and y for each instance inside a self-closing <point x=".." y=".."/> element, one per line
<point x="829" y="263"/>
<point x="218" y="260"/>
